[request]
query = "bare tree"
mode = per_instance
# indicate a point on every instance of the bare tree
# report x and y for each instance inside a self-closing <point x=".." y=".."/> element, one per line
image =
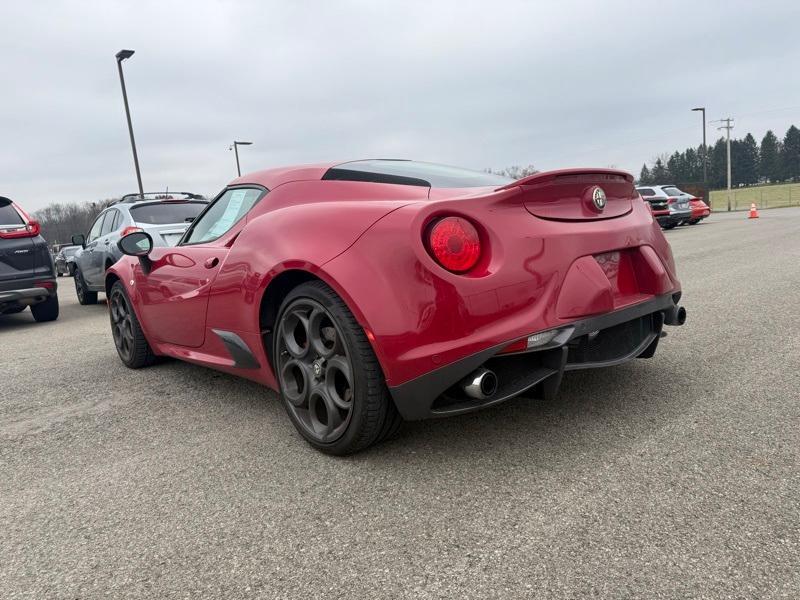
<point x="515" y="171"/>
<point x="61" y="221"/>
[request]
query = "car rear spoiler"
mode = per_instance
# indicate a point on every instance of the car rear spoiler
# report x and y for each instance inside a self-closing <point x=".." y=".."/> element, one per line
<point x="550" y="176"/>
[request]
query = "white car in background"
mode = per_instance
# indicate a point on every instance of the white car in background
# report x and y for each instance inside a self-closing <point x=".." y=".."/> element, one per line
<point x="670" y="205"/>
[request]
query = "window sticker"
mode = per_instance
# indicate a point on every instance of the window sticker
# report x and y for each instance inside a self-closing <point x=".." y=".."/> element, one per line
<point x="230" y="216"/>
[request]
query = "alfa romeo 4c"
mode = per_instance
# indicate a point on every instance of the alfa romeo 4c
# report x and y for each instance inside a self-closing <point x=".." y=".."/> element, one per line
<point x="376" y="291"/>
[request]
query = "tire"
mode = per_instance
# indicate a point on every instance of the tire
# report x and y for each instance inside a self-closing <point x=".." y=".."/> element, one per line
<point x="71" y="270"/>
<point x="129" y="340"/>
<point x="331" y="383"/>
<point x="58" y="273"/>
<point x="85" y="296"/>
<point x="47" y="310"/>
<point x="669" y="226"/>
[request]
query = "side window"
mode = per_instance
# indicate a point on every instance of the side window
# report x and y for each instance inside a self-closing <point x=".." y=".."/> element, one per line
<point x="94" y="232"/>
<point x="223" y="214"/>
<point x="117" y="220"/>
<point x="108" y="221"/>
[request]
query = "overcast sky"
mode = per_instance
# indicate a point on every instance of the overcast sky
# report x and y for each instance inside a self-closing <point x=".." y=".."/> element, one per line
<point x="476" y="84"/>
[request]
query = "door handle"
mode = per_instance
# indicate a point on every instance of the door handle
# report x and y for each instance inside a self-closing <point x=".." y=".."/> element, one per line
<point x="211" y="262"/>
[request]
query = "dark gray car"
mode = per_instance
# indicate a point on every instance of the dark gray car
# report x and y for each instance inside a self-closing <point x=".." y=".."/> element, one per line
<point x="27" y="275"/>
<point x="164" y="216"/>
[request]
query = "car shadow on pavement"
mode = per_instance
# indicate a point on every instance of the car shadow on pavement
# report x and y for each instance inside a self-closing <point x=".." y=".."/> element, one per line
<point x="70" y="312"/>
<point x="593" y="412"/>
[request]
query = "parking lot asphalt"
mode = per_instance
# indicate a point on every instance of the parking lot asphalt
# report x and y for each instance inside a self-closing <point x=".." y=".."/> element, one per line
<point x="674" y="477"/>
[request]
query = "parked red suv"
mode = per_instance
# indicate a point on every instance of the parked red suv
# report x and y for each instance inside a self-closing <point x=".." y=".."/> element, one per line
<point x="27" y="274"/>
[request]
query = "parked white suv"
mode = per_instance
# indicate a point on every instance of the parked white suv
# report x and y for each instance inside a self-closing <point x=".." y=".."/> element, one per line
<point x="670" y="205"/>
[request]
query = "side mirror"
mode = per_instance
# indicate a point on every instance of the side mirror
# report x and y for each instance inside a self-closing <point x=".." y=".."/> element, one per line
<point x="137" y="243"/>
<point x="79" y="240"/>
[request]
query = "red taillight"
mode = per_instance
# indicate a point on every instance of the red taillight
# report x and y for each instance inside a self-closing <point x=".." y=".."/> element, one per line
<point x="128" y="230"/>
<point x="455" y="244"/>
<point x="671" y="200"/>
<point x="30" y="229"/>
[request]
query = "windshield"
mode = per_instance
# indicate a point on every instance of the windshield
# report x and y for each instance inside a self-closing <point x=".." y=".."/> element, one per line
<point x="164" y="213"/>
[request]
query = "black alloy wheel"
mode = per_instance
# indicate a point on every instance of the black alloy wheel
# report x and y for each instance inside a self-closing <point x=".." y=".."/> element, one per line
<point x="85" y="296"/>
<point x="132" y="346"/>
<point x="316" y="370"/>
<point x="330" y="380"/>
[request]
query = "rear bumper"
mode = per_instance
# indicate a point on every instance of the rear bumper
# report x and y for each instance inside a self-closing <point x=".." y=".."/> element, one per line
<point x="600" y="341"/>
<point x="672" y="219"/>
<point x="27" y="291"/>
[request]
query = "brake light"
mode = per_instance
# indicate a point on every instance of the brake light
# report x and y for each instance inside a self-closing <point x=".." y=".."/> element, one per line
<point x="128" y="230"/>
<point x="671" y="200"/>
<point x="30" y="229"/>
<point x="455" y="244"/>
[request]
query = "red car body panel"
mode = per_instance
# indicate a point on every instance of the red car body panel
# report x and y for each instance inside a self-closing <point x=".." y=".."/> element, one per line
<point x="440" y="317"/>
<point x="700" y="210"/>
<point x="549" y="258"/>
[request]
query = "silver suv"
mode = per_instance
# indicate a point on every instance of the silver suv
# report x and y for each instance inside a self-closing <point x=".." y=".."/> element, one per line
<point x="165" y="216"/>
<point x="670" y="205"/>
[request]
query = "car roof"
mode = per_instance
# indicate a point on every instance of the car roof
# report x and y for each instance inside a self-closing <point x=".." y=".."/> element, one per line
<point x="272" y="178"/>
<point x="377" y="170"/>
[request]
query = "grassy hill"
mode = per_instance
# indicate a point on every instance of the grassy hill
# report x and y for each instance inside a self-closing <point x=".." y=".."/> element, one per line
<point x="765" y="196"/>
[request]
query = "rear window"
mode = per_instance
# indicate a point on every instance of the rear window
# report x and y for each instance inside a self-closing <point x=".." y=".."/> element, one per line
<point x="673" y="191"/>
<point x="164" y="213"/>
<point x="646" y="191"/>
<point x="409" y="172"/>
<point x="9" y="216"/>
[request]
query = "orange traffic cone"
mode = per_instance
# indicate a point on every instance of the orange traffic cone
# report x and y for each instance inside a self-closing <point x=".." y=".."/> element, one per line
<point x="753" y="211"/>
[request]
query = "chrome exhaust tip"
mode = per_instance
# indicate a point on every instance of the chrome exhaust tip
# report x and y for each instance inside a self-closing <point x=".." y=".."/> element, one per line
<point x="480" y="385"/>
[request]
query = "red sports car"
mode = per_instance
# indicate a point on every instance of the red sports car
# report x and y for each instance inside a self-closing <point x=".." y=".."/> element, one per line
<point x="374" y="291"/>
<point x="700" y="210"/>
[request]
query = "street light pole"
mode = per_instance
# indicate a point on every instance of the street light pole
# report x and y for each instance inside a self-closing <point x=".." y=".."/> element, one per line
<point x="122" y="55"/>
<point x="235" y="148"/>
<point x="705" y="154"/>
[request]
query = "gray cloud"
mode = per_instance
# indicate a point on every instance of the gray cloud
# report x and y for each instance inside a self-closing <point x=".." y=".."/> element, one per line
<point x="480" y="84"/>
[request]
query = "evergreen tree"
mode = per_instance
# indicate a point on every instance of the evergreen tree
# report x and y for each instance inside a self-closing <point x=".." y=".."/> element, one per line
<point x="790" y="156"/>
<point x="769" y="163"/>
<point x="747" y="163"/>
<point x="659" y="173"/>
<point x="644" y="176"/>
<point x="693" y="165"/>
<point x="717" y="165"/>
<point x="676" y="167"/>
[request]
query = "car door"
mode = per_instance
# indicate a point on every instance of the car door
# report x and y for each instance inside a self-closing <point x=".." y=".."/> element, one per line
<point x="105" y="254"/>
<point x="86" y="260"/>
<point x="174" y="292"/>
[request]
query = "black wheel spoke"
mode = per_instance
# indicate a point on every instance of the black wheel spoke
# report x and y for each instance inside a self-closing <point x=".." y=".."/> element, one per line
<point x="339" y="382"/>
<point x="295" y="382"/>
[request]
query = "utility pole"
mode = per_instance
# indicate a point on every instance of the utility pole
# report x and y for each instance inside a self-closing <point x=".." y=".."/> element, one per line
<point x="727" y="127"/>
